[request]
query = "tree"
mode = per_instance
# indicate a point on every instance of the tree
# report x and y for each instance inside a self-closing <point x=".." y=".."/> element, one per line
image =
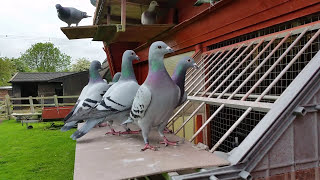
<point x="44" y="57"/>
<point x="7" y="70"/>
<point x="19" y="65"/>
<point x="82" y="64"/>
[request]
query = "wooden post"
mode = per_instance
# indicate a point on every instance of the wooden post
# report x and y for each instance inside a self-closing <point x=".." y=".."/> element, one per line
<point x="8" y="104"/>
<point x="31" y="104"/>
<point x="123" y="14"/>
<point x="199" y="138"/>
<point x="55" y="97"/>
<point x="42" y="101"/>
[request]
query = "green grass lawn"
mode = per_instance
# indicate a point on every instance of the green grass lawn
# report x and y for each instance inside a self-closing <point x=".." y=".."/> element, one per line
<point x="38" y="153"/>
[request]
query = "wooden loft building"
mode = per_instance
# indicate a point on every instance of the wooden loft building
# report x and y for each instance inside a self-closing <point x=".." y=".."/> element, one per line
<point x="255" y="98"/>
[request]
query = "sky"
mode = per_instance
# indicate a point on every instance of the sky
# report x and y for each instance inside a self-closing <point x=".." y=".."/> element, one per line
<point x="24" y="22"/>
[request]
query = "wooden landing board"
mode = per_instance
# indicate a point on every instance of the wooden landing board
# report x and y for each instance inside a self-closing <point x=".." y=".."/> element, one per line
<point x="100" y="156"/>
<point x="109" y="34"/>
<point x="133" y="33"/>
<point x="79" y="32"/>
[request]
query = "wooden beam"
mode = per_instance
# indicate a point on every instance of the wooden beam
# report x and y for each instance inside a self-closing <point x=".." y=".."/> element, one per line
<point x="257" y="106"/>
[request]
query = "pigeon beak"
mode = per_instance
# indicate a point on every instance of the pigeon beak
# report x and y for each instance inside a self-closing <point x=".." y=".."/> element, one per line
<point x="169" y="49"/>
<point x="195" y="66"/>
<point x="137" y="58"/>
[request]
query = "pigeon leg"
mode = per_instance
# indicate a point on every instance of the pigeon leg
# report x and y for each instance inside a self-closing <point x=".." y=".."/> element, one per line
<point x="145" y="131"/>
<point x="112" y="131"/>
<point x="166" y="142"/>
<point x="148" y="146"/>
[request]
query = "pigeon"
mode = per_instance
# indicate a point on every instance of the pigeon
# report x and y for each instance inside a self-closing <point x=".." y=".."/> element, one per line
<point x="116" y="102"/>
<point x="150" y="16"/>
<point x="70" y="15"/>
<point x="179" y="75"/>
<point x="93" y="2"/>
<point x="200" y="2"/>
<point x="90" y="95"/>
<point x="157" y="97"/>
<point x="114" y="80"/>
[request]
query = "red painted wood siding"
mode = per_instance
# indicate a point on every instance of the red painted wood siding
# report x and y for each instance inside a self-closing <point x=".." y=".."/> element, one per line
<point x="230" y="19"/>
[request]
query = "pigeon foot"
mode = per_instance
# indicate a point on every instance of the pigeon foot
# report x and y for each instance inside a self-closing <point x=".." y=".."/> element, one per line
<point x="128" y="131"/>
<point x="166" y="142"/>
<point x="148" y="146"/>
<point x="113" y="132"/>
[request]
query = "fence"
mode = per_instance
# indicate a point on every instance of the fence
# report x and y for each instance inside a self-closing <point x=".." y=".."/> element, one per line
<point x="35" y="105"/>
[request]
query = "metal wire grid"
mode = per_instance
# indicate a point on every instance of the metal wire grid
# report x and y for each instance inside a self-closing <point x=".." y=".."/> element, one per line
<point x="272" y="29"/>
<point x="245" y="68"/>
<point x="225" y="119"/>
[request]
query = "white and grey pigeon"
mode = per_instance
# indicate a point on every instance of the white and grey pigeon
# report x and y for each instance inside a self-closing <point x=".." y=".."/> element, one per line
<point x="90" y="95"/>
<point x="200" y="2"/>
<point x="115" y="79"/>
<point x="150" y="16"/>
<point x="157" y="97"/>
<point x="93" y="2"/>
<point x="116" y="102"/>
<point x="70" y="15"/>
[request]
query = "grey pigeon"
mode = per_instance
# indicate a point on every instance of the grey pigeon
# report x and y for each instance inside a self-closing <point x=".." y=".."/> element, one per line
<point x="70" y="15"/>
<point x="157" y="97"/>
<point x="90" y="95"/>
<point x="116" y="102"/>
<point x="116" y="77"/>
<point x="93" y="2"/>
<point x="200" y="2"/>
<point x="150" y="16"/>
<point x="179" y="75"/>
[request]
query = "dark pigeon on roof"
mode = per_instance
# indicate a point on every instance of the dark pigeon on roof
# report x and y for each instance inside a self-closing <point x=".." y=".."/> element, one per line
<point x="37" y="76"/>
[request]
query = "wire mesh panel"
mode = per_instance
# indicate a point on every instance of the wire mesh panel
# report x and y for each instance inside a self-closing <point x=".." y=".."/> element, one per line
<point x="240" y="82"/>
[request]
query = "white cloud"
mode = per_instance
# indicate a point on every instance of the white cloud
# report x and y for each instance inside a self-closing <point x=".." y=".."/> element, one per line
<point x="24" y="23"/>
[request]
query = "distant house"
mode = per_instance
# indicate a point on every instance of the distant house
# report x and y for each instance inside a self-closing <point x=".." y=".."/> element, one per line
<point x="5" y="90"/>
<point x="25" y="84"/>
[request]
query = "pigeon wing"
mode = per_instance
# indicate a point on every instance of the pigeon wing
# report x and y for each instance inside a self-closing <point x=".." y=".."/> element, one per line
<point x="141" y="103"/>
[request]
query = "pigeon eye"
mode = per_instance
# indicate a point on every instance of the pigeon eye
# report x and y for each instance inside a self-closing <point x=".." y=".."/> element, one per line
<point x="159" y="47"/>
<point x="132" y="54"/>
<point x="189" y="60"/>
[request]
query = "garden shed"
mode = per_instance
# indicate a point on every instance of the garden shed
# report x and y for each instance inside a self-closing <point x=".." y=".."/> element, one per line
<point x="25" y="84"/>
<point x="254" y="101"/>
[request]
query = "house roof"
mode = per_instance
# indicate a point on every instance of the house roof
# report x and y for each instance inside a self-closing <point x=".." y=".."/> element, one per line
<point x="37" y="76"/>
<point x="61" y="78"/>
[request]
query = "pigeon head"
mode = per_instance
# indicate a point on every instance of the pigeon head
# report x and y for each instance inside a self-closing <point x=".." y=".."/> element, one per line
<point x="159" y="49"/>
<point x="126" y="66"/>
<point x="187" y="62"/>
<point x="153" y="4"/>
<point x="94" y="75"/>
<point x="130" y="55"/>
<point x="58" y="7"/>
<point x="95" y="65"/>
